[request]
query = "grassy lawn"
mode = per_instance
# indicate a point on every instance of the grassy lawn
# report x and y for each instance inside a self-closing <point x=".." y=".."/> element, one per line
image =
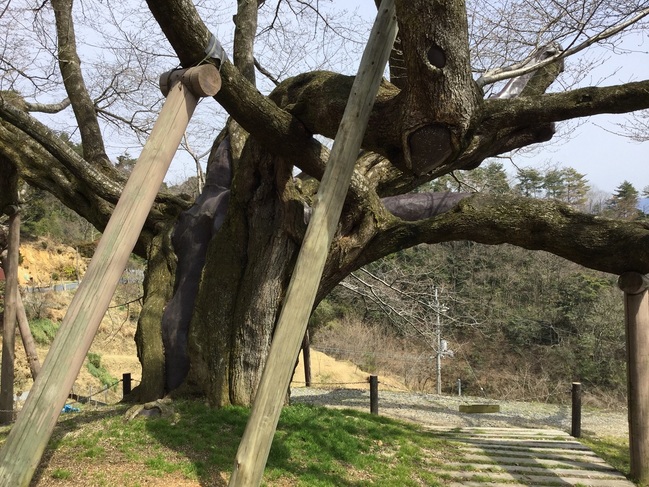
<point x="614" y="450"/>
<point x="196" y="446"/>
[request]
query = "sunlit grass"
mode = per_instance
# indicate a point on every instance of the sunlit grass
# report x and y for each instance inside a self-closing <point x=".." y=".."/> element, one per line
<point x="313" y="446"/>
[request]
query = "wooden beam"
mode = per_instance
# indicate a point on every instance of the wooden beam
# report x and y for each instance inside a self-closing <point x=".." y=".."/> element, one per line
<point x="636" y="312"/>
<point x="258" y="437"/>
<point x="633" y="282"/>
<point x="27" y="440"/>
<point x="9" y="324"/>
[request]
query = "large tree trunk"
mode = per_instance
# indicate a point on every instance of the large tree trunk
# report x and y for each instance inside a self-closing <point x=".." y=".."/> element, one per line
<point x="246" y="273"/>
<point x="158" y="288"/>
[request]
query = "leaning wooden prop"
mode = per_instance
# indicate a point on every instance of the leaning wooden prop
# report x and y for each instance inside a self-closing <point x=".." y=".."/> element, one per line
<point x="291" y="326"/>
<point x="29" y="436"/>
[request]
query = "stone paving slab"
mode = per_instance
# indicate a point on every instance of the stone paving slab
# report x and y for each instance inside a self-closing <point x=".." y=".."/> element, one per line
<point x="497" y="457"/>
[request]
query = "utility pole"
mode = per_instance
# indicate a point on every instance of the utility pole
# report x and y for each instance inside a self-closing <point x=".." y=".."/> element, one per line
<point x="442" y="345"/>
<point x="438" y="332"/>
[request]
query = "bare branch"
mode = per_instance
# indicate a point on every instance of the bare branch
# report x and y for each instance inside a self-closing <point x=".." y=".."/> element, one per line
<point x="47" y="107"/>
<point x="525" y="66"/>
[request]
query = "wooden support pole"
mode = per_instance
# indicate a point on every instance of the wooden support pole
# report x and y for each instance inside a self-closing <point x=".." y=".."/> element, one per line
<point x="258" y="436"/>
<point x="9" y="330"/>
<point x="575" y="430"/>
<point x="27" y="338"/>
<point x="636" y="311"/>
<point x="27" y="440"/>
<point x="374" y="394"/>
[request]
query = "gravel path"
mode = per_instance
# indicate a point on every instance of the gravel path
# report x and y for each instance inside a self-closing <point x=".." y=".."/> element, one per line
<point x="434" y="410"/>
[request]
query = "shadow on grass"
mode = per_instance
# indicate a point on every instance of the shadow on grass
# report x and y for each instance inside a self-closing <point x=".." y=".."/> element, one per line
<point x="313" y="446"/>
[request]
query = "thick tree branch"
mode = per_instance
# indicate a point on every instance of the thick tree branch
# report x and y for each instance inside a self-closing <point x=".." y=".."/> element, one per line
<point x="441" y="98"/>
<point x="75" y="86"/>
<point x="595" y="242"/>
<point x="104" y="186"/>
<point x="245" y="22"/>
<point x="279" y="131"/>
<point x="46" y="161"/>
<point x="555" y="107"/>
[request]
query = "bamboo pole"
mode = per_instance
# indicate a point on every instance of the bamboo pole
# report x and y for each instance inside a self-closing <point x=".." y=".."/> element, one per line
<point x="27" y="440"/>
<point x="636" y="312"/>
<point x="258" y="437"/>
<point x="9" y="324"/>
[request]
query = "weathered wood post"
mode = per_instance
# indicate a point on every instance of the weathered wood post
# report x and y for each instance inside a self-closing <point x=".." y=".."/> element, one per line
<point x="374" y="394"/>
<point x="636" y="313"/>
<point x="257" y="439"/>
<point x="28" y="339"/>
<point x="126" y="384"/>
<point x="25" y="444"/>
<point x="10" y="314"/>
<point x="575" y="429"/>
<point x="306" y="356"/>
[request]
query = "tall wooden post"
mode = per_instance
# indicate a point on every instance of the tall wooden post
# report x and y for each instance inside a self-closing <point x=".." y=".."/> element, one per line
<point x="11" y="306"/>
<point x="575" y="429"/>
<point x="636" y="312"/>
<point x="27" y="440"/>
<point x="258" y="436"/>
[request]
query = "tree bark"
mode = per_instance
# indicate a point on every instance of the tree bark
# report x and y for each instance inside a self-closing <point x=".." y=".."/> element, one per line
<point x="27" y="338"/>
<point x="9" y="185"/>
<point x="248" y="266"/>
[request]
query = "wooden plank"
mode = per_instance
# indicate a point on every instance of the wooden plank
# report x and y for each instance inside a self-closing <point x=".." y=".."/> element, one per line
<point x="537" y="480"/>
<point x="479" y="408"/>
<point x="525" y="443"/>
<point x="487" y="464"/>
<point x="549" y="453"/>
<point x="488" y="479"/>
<point x="257" y="439"/>
<point x="543" y="461"/>
<point x="538" y="469"/>
<point x="27" y="440"/>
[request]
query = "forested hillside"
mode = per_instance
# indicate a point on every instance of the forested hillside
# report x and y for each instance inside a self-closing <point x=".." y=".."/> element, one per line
<point x="518" y="324"/>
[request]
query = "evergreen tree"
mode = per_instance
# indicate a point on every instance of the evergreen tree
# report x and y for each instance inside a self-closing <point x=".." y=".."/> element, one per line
<point x="530" y="182"/>
<point x="624" y="202"/>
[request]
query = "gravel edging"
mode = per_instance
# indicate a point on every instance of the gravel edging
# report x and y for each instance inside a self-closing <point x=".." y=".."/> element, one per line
<point x="439" y="410"/>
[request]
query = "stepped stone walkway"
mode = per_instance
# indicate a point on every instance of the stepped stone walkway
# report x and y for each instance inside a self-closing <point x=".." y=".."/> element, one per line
<point x="514" y="457"/>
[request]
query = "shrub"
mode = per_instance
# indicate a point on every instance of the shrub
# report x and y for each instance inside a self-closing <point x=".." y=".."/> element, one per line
<point x="43" y="330"/>
<point x="96" y="370"/>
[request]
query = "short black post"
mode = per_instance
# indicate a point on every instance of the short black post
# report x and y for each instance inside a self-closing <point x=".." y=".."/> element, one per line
<point x="306" y="356"/>
<point x="126" y="384"/>
<point x="374" y="394"/>
<point x="576" y="410"/>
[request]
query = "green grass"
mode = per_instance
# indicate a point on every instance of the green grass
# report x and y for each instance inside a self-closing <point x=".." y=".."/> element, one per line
<point x="43" y="330"/>
<point x="313" y="447"/>
<point x="614" y="450"/>
<point x="98" y="371"/>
